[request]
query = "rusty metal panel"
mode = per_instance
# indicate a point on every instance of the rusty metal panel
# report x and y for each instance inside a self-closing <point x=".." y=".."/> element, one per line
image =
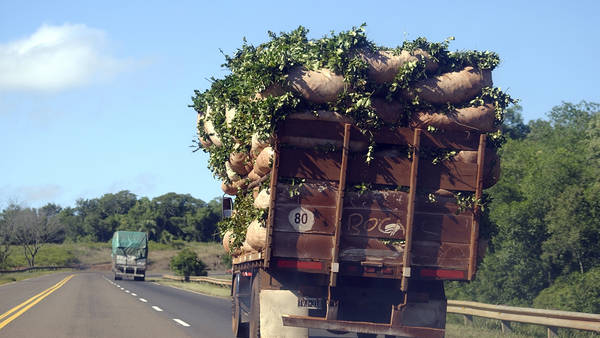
<point x="442" y="255"/>
<point x="397" y="136"/>
<point x="302" y="245"/>
<point x="443" y="228"/>
<point x="358" y="249"/>
<point x="307" y="208"/>
<point x="375" y="214"/>
<point x="319" y="130"/>
<point x="382" y="170"/>
<point x="311" y="164"/>
<point x="448" y="175"/>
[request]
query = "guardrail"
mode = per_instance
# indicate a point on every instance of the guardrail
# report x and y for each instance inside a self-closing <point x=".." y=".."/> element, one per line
<point x="552" y="319"/>
<point x="216" y="281"/>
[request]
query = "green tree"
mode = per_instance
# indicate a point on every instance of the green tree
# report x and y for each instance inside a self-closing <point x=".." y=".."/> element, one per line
<point x="545" y="208"/>
<point x="186" y="263"/>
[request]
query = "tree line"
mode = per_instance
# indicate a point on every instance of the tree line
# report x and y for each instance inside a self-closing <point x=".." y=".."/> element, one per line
<point x="542" y="218"/>
<point x="165" y="218"/>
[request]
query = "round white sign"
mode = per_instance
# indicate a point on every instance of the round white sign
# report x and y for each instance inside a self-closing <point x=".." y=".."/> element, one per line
<point x="301" y="219"/>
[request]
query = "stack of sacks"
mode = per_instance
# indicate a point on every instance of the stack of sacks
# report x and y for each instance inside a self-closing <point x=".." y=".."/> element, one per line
<point x="446" y="97"/>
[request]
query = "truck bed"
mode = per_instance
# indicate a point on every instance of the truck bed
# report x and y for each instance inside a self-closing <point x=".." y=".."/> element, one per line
<point x="319" y="224"/>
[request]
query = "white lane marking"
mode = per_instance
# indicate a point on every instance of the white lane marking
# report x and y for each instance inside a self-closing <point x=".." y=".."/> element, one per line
<point x="157" y="308"/>
<point x="155" y="283"/>
<point x="133" y="294"/>
<point x="127" y="291"/>
<point x="181" y="322"/>
<point x="143" y="300"/>
<point x="122" y="288"/>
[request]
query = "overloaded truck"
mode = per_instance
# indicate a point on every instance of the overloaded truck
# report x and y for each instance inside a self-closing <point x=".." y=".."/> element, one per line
<point x="129" y="254"/>
<point x="357" y="193"/>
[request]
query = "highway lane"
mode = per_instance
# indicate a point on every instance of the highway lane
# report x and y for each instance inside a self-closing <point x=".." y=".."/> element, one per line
<point x="87" y="305"/>
<point x="207" y="316"/>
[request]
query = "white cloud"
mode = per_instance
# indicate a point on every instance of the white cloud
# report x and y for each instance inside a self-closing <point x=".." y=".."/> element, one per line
<point x="56" y="58"/>
<point x="31" y="195"/>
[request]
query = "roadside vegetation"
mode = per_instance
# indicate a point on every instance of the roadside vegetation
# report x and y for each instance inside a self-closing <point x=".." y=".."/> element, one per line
<point x="6" y="278"/>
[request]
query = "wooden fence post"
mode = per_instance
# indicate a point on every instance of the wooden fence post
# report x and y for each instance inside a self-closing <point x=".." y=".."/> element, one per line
<point x="506" y="326"/>
<point x="552" y="332"/>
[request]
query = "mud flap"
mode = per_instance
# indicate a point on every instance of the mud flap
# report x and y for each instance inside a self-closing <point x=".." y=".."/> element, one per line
<point x="274" y="303"/>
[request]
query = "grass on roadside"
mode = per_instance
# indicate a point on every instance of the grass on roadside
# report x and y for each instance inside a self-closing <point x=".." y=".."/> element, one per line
<point x="19" y="276"/>
<point x="204" y="288"/>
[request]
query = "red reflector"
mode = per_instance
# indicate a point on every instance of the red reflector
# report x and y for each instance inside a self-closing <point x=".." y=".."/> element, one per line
<point x="299" y="264"/>
<point x="246" y="274"/>
<point x="454" y="274"/>
<point x="369" y="269"/>
<point x="388" y="271"/>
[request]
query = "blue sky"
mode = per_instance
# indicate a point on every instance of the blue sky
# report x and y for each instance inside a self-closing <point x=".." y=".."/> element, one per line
<point x="93" y="96"/>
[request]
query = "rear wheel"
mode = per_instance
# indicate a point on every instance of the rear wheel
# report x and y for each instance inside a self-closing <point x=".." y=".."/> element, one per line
<point x="255" y="307"/>
<point x="117" y="277"/>
<point x="239" y="329"/>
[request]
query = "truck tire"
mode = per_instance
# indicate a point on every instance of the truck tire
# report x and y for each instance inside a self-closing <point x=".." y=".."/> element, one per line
<point x="139" y="278"/>
<point x="240" y="330"/>
<point x="255" y="307"/>
<point x="118" y="277"/>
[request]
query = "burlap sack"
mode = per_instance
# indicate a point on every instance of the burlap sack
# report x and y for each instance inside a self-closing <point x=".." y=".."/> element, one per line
<point x="253" y="176"/>
<point x="240" y="163"/>
<point x="384" y="65"/>
<point x="205" y="142"/>
<point x="273" y="90"/>
<point x="453" y="87"/>
<point x="228" y="240"/>
<point x="389" y="112"/>
<point x="480" y="118"/>
<point x="262" y="165"/>
<point x="491" y="169"/>
<point x="231" y="174"/>
<point x="209" y="128"/>
<point x="258" y="144"/>
<point x="317" y="86"/>
<point x="229" y="189"/>
<point x="256" y="235"/>
<point x="255" y="192"/>
<point x="322" y="115"/>
<point x="263" y="200"/>
<point x="246" y="248"/>
<point x="311" y="142"/>
<point x="240" y="184"/>
<point x="229" y="116"/>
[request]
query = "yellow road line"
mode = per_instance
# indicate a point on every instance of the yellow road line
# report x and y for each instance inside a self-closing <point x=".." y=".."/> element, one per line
<point x="31" y="302"/>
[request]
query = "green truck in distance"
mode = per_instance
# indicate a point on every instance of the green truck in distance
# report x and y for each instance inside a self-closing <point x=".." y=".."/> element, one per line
<point x="129" y="254"/>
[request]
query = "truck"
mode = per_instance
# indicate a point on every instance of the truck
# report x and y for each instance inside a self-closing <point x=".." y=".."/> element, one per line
<point x="129" y="255"/>
<point x="370" y="260"/>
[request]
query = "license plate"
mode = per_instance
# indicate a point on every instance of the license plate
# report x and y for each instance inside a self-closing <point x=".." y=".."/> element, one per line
<point x="310" y="303"/>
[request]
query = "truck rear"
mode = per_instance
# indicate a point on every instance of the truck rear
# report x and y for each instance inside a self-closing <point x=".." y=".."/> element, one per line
<point x="363" y="247"/>
<point x="129" y="254"/>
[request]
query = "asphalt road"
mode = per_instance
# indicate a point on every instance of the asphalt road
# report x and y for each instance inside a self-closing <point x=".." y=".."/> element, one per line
<point x="91" y="304"/>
